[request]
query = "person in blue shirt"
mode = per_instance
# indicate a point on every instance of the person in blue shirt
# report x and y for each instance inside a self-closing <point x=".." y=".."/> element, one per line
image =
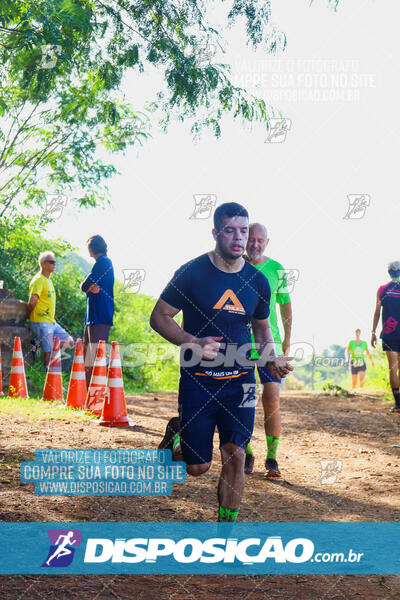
<point x="223" y="298"/>
<point x="99" y="289"/>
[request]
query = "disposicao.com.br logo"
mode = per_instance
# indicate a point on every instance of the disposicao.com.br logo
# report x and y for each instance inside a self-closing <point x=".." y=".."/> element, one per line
<point x="213" y="550"/>
<point x="222" y="550"/>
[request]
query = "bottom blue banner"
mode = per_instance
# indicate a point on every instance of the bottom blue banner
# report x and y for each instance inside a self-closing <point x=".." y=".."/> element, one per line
<point x="195" y="548"/>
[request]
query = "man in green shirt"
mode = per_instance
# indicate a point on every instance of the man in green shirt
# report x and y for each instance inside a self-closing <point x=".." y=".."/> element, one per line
<point x="356" y="351"/>
<point x="275" y="273"/>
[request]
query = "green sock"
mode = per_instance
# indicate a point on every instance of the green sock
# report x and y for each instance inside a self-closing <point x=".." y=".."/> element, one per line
<point x="272" y="446"/>
<point x="249" y="450"/>
<point x="227" y="514"/>
<point x="176" y="441"/>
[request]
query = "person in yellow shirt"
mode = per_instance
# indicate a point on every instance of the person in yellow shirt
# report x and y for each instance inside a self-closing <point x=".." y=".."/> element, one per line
<point x="42" y="308"/>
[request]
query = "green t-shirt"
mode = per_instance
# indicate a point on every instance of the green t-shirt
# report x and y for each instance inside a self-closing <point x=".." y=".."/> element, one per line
<point x="275" y="273"/>
<point x="357" y="351"/>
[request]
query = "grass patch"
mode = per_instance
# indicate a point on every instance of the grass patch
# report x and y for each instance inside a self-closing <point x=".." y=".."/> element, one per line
<point x="336" y="390"/>
<point x="34" y="408"/>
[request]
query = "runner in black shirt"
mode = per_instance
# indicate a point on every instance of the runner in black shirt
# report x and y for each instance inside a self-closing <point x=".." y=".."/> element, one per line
<point x="222" y="298"/>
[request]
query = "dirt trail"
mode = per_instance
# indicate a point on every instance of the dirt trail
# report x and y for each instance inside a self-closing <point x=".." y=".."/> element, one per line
<point x="358" y="431"/>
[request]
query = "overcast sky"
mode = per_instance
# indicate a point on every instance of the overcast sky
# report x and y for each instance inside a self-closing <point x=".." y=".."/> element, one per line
<point x="336" y="86"/>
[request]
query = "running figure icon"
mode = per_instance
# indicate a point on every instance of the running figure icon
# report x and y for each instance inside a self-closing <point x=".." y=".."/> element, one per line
<point x="62" y="549"/>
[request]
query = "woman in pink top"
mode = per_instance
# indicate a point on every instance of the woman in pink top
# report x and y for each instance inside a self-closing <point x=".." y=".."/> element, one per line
<point x="388" y="299"/>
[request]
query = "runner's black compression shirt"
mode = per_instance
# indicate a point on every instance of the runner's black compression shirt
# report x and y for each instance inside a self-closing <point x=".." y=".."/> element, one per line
<point x="216" y="303"/>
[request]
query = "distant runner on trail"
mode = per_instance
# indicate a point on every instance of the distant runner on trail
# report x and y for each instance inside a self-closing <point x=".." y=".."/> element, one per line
<point x="388" y="299"/>
<point x="356" y="351"/>
<point x="275" y="273"/>
<point x="223" y="298"/>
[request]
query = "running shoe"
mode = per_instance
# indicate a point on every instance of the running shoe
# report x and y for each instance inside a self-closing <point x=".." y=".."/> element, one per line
<point x="249" y="464"/>
<point x="271" y="469"/>
<point x="171" y="429"/>
<point x="395" y="409"/>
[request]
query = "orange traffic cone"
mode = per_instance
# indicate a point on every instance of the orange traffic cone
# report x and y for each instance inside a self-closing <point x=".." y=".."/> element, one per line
<point x="114" y="409"/>
<point x="98" y="382"/>
<point x="76" y="396"/>
<point x="53" y="385"/>
<point x="1" y="375"/>
<point x="17" y="387"/>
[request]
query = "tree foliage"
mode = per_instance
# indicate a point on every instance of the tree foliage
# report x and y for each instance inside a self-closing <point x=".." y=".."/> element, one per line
<point x="62" y="68"/>
<point x="22" y="239"/>
<point x="149" y="362"/>
<point x="62" y="64"/>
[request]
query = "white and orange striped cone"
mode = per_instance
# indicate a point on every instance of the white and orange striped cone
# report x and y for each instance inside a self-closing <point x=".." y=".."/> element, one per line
<point x="114" y="410"/>
<point x="76" y="395"/>
<point x="53" y="389"/>
<point x="98" y="382"/>
<point x="1" y="375"/>
<point x="17" y="387"/>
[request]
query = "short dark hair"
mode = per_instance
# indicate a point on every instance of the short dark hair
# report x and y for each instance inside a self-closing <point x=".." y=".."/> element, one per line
<point x="97" y="245"/>
<point x="227" y="211"/>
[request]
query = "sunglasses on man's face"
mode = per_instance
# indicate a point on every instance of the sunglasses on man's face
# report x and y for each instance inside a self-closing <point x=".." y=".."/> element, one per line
<point x="52" y="262"/>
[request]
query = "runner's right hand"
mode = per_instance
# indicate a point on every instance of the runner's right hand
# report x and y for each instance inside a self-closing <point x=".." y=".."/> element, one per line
<point x="279" y="366"/>
<point x="210" y="346"/>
